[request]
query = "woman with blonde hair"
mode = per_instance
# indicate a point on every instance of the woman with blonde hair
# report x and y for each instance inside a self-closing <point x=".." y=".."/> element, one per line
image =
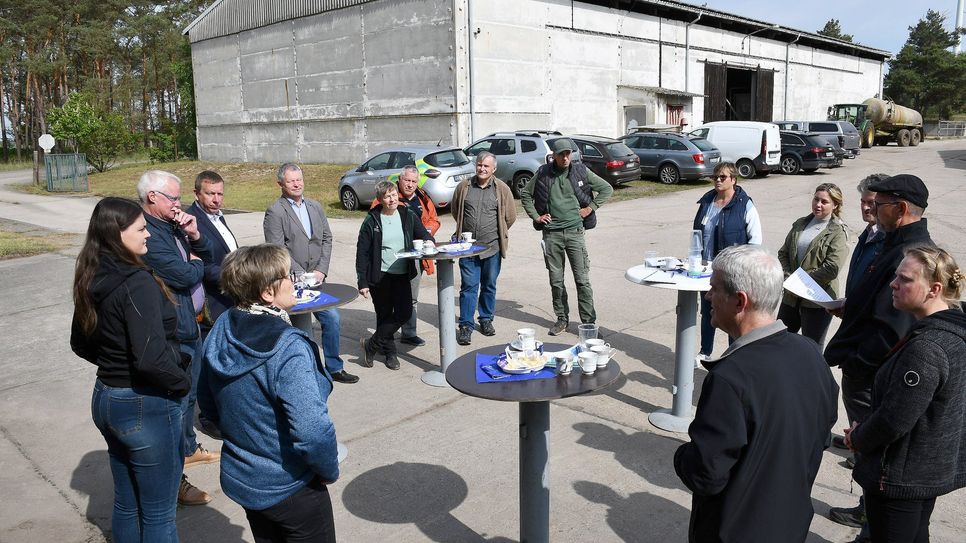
<point x="913" y="445"/>
<point x="817" y="243"/>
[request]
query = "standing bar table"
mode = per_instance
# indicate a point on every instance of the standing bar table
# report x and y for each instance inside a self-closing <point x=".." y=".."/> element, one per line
<point x="301" y="315"/>
<point x="534" y="397"/>
<point x="446" y="306"/>
<point x="678" y="418"/>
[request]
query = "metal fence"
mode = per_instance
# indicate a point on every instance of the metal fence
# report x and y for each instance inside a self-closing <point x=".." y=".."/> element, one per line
<point x="952" y="129"/>
<point x="67" y="172"/>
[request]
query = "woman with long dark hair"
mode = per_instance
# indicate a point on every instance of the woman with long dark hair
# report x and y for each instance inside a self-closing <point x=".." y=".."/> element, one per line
<point x="913" y="445"/>
<point x="817" y="243"/>
<point x="124" y="323"/>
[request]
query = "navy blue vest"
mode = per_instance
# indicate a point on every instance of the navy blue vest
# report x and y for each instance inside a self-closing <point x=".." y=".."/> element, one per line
<point x="731" y="228"/>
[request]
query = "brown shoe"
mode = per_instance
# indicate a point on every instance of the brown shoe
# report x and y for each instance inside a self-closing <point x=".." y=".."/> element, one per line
<point x="189" y="494"/>
<point x="201" y="456"/>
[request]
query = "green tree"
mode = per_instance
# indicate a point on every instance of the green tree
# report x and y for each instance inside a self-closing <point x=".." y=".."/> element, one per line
<point x="926" y="75"/>
<point x="101" y="135"/>
<point x="833" y="29"/>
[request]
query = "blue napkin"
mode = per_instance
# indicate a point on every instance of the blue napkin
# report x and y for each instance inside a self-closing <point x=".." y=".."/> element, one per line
<point x="321" y="299"/>
<point x="464" y="251"/>
<point x="487" y="371"/>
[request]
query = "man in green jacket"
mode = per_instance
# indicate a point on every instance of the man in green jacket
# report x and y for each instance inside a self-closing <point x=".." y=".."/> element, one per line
<point x="562" y="199"/>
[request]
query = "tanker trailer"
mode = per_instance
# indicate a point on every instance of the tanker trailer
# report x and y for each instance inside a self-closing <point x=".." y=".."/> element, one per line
<point x="881" y="121"/>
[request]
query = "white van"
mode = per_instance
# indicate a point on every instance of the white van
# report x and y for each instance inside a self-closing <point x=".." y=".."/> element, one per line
<point x="754" y="147"/>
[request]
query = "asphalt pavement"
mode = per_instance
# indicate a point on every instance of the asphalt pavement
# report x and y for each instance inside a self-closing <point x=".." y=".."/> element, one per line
<point x="431" y="464"/>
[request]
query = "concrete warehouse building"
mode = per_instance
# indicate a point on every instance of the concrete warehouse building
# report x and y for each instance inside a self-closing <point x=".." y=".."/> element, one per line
<point x="337" y="80"/>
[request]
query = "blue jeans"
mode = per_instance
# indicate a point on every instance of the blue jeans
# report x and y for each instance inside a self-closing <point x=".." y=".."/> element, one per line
<point x="331" y="324"/>
<point x="190" y="438"/>
<point x="478" y="281"/>
<point x="142" y="428"/>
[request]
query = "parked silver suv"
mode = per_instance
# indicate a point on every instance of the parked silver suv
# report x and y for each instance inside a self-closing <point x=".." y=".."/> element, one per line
<point x="518" y="154"/>
<point x="846" y="135"/>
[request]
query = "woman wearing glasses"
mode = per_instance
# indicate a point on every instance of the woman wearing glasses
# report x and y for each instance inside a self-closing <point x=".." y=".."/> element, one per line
<point x="818" y="244"/>
<point x="125" y="323"/>
<point x="726" y="216"/>
<point x="263" y="384"/>
<point x="913" y="445"/>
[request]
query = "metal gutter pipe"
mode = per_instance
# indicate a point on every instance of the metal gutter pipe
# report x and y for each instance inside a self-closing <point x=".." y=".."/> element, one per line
<point x="687" y="50"/>
<point x="787" y="48"/>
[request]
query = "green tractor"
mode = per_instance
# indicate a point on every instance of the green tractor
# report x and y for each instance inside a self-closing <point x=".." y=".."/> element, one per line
<point x="855" y="114"/>
<point x="881" y="121"/>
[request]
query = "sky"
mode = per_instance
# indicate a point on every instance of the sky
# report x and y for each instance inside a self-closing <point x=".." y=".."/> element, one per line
<point x="883" y="24"/>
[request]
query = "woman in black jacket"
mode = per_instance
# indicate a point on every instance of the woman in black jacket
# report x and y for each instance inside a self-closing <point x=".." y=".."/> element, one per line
<point x="387" y="230"/>
<point x="124" y="323"/>
<point x="913" y="445"/>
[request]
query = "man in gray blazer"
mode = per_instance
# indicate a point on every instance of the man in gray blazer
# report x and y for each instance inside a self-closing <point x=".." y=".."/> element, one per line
<point x="299" y="224"/>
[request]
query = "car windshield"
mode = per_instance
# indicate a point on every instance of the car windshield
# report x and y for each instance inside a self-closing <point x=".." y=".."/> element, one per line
<point x="619" y="149"/>
<point x="702" y="144"/>
<point x="448" y="158"/>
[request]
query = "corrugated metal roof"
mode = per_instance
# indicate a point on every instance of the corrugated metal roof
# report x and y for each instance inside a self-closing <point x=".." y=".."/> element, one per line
<point x="226" y="17"/>
<point x="662" y="90"/>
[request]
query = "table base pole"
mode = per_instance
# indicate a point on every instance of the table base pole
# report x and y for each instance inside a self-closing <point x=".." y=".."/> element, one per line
<point x="535" y="472"/>
<point x="665" y="420"/>
<point x="434" y="378"/>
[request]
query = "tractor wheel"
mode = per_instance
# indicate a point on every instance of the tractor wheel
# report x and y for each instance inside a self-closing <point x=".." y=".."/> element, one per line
<point x="903" y="138"/>
<point x="868" y="137"/>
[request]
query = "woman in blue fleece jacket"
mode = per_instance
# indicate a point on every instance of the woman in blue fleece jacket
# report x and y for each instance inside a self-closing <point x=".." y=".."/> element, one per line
<point x="265" y="387"/>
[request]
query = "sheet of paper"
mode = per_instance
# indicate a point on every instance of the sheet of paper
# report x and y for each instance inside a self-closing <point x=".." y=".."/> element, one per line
<point x="655" y="275"/>
<point x="803" y="286"/>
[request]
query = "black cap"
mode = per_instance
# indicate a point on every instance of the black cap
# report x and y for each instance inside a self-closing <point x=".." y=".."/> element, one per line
<point x="905" y="186"/>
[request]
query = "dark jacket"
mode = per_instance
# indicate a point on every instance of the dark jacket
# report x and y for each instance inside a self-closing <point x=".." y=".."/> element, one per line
<point x="913" y="444"/>
<point x="265" y="387"/>
<point x="578" y="180"/>
<point x="134" y="343"/>
<point x="762" y="422"/>
<point x="179" y="275"/>
<point x="862" y="256"/>
<point x="871" y="326"/>
<point x="427" y="216"/>
<point x="369" y="246"/>
<point x="823" y="260"/>
<point x="731" y="228"/>
<point x="218" y="303"/>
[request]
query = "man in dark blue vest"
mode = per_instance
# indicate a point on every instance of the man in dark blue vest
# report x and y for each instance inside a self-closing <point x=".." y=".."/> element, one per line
<point x="562" y="199"/>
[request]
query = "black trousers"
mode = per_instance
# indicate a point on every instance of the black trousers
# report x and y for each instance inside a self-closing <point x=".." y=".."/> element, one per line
<point x="812" y="321"/>
<point x="303" y="516"/>
<point x="393" y="301"/>
<point x="898" y="521"/>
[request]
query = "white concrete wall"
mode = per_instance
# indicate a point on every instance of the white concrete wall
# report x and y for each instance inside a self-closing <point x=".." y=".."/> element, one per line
<point x="333" y="87"/>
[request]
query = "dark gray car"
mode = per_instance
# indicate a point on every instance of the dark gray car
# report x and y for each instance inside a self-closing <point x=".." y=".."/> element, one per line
<point x="673" y="157"/>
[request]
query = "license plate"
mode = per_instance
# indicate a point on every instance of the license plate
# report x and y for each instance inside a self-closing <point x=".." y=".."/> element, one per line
<point x="716" y="160"/>
<point x="829" y="155"/>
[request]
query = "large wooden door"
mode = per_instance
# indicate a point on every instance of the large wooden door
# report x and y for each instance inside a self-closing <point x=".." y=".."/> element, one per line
<point x="764" y="95"/>
<point x="715" y="90"/>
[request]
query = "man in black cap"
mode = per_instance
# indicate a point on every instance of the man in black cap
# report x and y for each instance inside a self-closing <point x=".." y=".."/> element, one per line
<point x="871" y="326"/>
<point x="562" y="202"/>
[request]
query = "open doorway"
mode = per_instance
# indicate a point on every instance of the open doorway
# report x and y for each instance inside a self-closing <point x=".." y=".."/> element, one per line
<point x="738" y="93"/>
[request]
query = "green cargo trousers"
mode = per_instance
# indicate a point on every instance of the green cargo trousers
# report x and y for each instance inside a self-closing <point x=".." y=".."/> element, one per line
<point x="561" y="245"/>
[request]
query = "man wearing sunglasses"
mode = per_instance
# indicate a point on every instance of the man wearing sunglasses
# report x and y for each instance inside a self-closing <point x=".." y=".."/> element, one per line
<point x="871" y="326"/>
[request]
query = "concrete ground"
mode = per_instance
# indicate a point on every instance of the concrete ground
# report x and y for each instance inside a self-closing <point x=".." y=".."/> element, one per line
<point x="430" y="464"/>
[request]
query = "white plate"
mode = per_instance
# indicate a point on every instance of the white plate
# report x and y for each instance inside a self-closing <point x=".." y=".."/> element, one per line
<point x="503" y="362"/>
<point x="517" y="346"/>
<point x="454" y="247"/>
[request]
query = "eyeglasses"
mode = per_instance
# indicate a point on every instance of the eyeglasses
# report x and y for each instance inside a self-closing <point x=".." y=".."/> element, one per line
<point x="720" y="177"/>
<point x="876" y="204"/>
<point x="168" y="196"/>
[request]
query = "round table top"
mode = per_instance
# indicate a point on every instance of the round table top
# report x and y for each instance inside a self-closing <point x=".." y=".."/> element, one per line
<point x="472" y="251"/>
<point x="461" y="375"/>
<point x="637" y="274"/>
<point x="342" y="293"/>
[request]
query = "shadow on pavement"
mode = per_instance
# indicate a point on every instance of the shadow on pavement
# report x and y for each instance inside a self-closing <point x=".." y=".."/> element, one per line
<point x="648" y="455"/>
<point x="93" y="478"/>
<point x="640" y="516"/>
<point x="412" y="493"/>
<point x="954" y="158"/>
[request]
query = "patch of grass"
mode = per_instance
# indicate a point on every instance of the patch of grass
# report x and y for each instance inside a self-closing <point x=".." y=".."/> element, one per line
<point x="646" y="188"/>
<point x="16" y="244"/>
<point x="14" y="164"/>
<point x="248" y="186"/>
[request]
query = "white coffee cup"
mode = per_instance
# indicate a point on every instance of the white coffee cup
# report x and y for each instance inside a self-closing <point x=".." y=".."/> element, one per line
<point x="429" y="248"/>
<point x="418" y="245"/>
<point x="527" y="338"/>
<point x="565" y="365"/>
<point x="603" y="354"/>
<point x="596" y="342"/>
<point x="466" y="237"/>
<point x="588" y="362"/>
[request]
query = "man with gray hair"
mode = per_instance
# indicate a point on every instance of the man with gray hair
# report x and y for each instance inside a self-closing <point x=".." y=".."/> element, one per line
<point x="299" y="224"/>
<point x="177" y="252"/>
<point x="764" y="415"/>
